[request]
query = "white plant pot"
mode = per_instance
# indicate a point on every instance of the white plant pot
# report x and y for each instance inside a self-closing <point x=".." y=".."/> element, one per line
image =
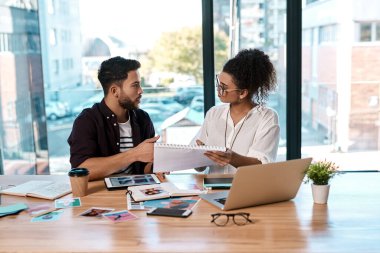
<point x="320" y="193"/>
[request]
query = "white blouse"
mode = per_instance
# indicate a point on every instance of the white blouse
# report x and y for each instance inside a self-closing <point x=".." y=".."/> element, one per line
<point x="256" y="135"/>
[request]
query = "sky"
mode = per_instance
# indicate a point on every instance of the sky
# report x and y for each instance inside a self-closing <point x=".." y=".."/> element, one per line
<point x="138" y="22"/>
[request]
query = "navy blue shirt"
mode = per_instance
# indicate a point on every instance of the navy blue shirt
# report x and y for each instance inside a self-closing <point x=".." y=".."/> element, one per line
<point x="96" y="133"/>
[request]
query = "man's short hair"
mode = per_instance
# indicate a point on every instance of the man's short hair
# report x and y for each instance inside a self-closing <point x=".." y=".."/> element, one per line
<point x="115" y="70"/>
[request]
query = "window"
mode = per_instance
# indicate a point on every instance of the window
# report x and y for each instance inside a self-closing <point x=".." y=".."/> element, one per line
<point x="23" y="142"/>
<point x="306" y="37"/>
<point x="53" y="37"/>
<point x="365" y="32"/>
<point x="55" y="67"/>
<point x="369" y="32"/>
<point x="50" y="6"/>
<point x="170" y="51"/>
<point x="327" y="34"/>
<point x="340" y="98"/>
<point x="265" y="31"/>
<point x="65" y="36"/>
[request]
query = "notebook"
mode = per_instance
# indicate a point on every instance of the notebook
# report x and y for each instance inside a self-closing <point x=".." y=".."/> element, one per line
<point x="40" y="189"/>
<point x="261" y="184"/>
<point x="172" y="157"/>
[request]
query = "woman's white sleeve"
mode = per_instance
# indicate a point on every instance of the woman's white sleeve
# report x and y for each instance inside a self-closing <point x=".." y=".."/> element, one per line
<point x="265" y="143"/>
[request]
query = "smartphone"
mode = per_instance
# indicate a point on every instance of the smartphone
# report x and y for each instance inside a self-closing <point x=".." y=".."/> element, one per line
<point x="171" y="212"/>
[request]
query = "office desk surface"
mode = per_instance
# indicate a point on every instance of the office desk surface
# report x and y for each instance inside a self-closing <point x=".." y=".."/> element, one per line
<point x="349" y="223"/>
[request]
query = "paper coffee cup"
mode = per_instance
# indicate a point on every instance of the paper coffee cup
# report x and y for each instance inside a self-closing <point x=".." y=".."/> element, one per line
<point x="79" y="181"/>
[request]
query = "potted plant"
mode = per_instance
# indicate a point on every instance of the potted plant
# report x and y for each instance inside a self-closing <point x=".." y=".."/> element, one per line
<point x="320" y="174"/>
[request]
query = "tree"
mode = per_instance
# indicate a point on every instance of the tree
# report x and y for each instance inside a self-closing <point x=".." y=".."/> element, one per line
<point x="181" y="52"/>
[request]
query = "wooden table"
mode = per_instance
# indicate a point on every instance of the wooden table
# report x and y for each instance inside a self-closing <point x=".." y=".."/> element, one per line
<point x="349" y="223"/>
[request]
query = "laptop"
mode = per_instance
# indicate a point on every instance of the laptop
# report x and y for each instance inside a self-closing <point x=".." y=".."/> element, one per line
<point x="261" y="184"/>
<point x="218" y="181"/>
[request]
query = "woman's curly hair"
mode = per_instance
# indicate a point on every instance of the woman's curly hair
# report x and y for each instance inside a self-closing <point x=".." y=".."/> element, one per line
<point x="252" y="69"/>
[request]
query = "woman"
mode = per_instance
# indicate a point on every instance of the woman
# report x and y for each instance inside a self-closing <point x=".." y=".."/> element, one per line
<point x="248" y="129"/>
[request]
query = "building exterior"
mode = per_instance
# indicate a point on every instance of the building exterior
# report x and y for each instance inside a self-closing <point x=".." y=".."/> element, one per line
<point x="341" y="85"/>
<point x="61" y="45"/>
<point x="22" y="120"/>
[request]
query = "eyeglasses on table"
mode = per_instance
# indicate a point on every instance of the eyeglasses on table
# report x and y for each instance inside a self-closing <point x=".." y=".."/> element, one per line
<point x="221" y="219"/>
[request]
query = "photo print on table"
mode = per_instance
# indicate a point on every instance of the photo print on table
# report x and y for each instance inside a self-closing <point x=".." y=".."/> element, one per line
<point x="120" y="216"/>
<point x="153" y="191"/>
<point x="96" y="212"/>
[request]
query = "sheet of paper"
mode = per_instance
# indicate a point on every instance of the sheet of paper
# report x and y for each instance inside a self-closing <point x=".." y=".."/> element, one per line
<point x="171" y="157"/>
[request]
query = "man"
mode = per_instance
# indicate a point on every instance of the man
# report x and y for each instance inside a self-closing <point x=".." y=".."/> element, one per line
<point x="114" y="136"/>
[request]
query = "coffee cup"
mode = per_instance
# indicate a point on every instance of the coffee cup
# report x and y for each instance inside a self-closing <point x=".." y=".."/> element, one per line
<point x="79" y="181"/>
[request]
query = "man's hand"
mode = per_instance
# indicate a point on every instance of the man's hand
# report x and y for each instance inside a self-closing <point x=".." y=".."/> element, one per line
<point x="149" y="170"/>
<point x="144" y="150"/>
<point x="162" y="175"/>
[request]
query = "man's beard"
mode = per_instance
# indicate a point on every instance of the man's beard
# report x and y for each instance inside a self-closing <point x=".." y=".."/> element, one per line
<point x="128" y="104"/>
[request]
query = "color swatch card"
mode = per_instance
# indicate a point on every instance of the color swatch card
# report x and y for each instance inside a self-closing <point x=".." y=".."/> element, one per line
<point x="66" y="203"/>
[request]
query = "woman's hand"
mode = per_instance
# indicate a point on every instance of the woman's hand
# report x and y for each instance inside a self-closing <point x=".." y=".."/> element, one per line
<point x="221" y="158"/>
<point x="199" y="143"/>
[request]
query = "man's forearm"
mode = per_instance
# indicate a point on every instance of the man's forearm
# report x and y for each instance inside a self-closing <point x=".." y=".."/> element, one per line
<point x="100" y="167"/>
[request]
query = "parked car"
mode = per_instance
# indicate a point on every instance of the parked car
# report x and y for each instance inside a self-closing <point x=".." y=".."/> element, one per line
<point x="56" y="109"/>
<point x="197" y="103"/>
<point x="166" y="103"/>
<point x="155" y="115"/>
<point x="87" y="103"/>
<point x="79" y="108"/>
<point x="186" y="94"/>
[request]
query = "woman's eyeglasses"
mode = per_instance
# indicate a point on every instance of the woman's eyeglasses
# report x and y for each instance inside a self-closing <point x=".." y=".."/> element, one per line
<point x="221" y="219"/>
<point x="221" y="89"/>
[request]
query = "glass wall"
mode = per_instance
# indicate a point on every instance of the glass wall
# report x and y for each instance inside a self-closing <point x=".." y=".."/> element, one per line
<point x="341" y="83"/>
<point x="165" y="36"/>
<point x="50" y="52"/>
<point x="261" y="24"/>
<point x="23" y="141"/>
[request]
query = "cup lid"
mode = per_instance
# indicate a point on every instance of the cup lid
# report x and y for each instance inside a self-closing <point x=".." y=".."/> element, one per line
<point x="78" y="172"/>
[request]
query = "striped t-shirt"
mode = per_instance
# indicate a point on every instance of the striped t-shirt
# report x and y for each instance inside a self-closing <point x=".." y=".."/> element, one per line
<point x="126" y="140"/>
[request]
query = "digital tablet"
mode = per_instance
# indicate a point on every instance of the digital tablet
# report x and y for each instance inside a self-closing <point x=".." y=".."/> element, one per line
<point x="122" y="182"/>
<point x="217" y="183"/>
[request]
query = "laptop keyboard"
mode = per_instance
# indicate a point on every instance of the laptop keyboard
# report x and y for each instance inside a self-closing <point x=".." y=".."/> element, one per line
<point x="221" y="200"/>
